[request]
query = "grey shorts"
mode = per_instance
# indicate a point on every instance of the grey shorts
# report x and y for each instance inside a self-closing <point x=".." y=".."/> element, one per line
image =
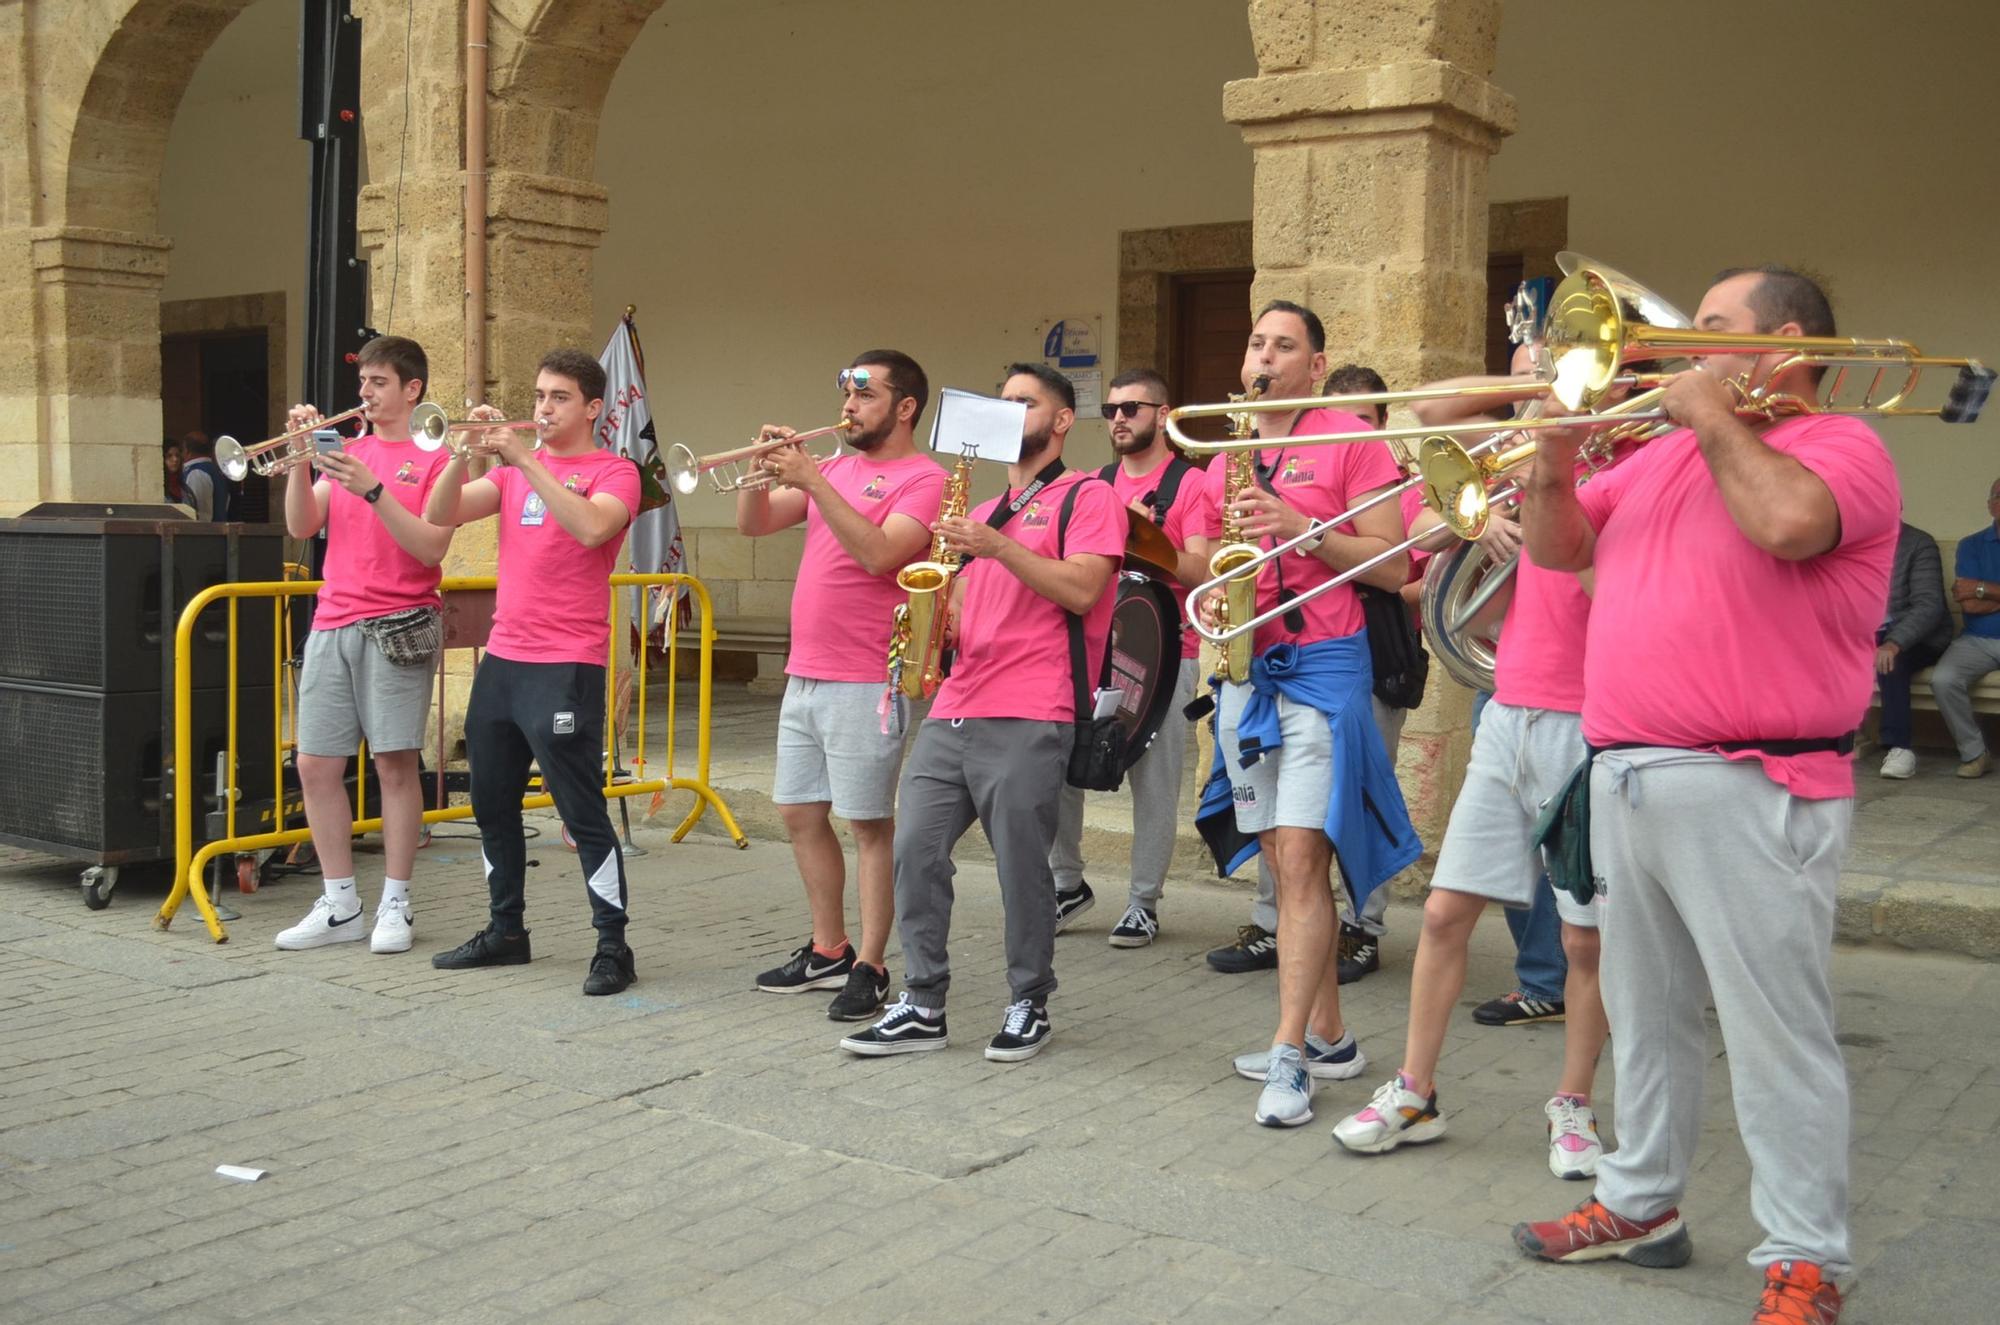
<point x="349" y="691"/>
<point x="1520" y="759"/>
<point x="831" y="748"/>
<point x="1263" y="800"/>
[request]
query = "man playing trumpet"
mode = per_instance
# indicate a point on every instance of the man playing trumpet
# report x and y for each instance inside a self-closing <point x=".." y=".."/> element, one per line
<point x="381" y="565"/>
<point x="539" y="694"/>
<point x="866" y="515"/>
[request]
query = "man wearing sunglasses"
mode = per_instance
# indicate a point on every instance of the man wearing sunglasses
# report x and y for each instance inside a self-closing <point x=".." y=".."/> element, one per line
<point x="1160" y="486"/>
<point x="867" y="515"/>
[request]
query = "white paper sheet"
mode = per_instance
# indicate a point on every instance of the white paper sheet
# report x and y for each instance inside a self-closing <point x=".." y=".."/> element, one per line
<point x="989" y="428"/>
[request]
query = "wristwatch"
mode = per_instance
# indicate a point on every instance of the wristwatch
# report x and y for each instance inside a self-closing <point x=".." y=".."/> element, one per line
<point x="1310" y="546"/>
<point x="373" y="494"/>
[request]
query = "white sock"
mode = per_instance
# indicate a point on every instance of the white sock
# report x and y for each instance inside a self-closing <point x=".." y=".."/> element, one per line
<point x="929" y="1014"/>
<point x="394" y="890"/>
<point x="341" y="892"/>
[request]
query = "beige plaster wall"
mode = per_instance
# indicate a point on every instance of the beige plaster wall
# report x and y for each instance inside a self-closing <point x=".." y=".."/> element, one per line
<point x="944" y="179"/>
<point x="1866" y="155"/>
<point x="234" y="189"/>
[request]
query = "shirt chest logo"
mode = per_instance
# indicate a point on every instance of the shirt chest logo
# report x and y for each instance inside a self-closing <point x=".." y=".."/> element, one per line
<point x="877" y="488"/>
<point x="1034" y="517"/>
<point x="574" y="483"/>
<point x="1294" y="473"/>
<point x="408" y="473"/>
<point x="534" y="510"/>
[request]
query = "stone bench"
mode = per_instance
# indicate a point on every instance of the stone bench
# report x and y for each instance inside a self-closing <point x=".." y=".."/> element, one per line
<point x="767" y="639"/>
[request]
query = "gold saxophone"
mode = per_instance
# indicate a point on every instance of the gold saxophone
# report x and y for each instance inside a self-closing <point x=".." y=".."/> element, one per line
<point x="1239" y="600"/>
<point x="916" y="635"/>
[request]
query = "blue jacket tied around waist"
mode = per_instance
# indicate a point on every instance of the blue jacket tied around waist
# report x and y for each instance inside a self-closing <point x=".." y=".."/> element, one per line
<point x="1366" y="819"/>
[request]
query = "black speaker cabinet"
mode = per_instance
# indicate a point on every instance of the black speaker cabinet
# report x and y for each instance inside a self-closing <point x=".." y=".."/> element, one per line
<point x="88" y="609"/>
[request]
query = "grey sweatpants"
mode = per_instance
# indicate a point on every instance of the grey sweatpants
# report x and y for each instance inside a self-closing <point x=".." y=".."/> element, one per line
<point x="1720" y="883"/>
<point x="1264" y="911"/>
<point x="1969" y="658"/>
<point x="1156" y="804"/>
<point x="1008" y="774"/>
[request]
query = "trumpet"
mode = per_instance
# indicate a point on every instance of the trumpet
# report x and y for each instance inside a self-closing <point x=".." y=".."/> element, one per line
<point x="278" y="455"/>
<point x="685" y="468"/>
<point x="431" y="427"/>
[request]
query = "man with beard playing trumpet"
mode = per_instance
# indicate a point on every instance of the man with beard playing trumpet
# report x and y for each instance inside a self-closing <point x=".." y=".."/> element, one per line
<point x="866" y="516"/>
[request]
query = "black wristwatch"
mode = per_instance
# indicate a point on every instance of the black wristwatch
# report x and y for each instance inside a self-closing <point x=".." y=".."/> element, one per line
<point x="373" y="494"/>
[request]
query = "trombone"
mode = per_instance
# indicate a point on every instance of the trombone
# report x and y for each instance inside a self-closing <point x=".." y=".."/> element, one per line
<point x="685" y="468"/>
<point x="431" y="427"/>
<point x="279" y="455"/>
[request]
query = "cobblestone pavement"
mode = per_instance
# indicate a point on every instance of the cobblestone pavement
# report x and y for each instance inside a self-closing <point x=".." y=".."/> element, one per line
<point x="489" y="1145"/>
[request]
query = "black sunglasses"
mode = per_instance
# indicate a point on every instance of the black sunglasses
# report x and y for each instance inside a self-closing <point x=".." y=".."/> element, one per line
<point x="1129" y="408"/>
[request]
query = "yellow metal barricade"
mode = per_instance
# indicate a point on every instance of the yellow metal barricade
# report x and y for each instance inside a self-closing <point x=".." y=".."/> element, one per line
<point x="189" y="863"/>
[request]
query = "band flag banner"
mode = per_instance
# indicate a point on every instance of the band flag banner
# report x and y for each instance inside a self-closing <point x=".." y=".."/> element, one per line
<point x="626" y="426"/>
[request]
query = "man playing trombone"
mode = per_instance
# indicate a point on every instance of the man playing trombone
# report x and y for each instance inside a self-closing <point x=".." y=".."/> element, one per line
<point x="1741" y="570"/>
<point x="866" y="515"/>
<point x="1293" y="735"/>
<point x="538" y="697"/>
<point x="381" y="570"/>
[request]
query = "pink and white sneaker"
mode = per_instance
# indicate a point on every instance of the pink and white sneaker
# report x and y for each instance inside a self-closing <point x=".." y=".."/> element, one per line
<point x="1573" y="1145"/>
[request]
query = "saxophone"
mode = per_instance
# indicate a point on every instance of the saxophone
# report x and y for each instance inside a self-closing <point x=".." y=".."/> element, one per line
<point x="1239" y="602"/>
<point x="916" y="633"/>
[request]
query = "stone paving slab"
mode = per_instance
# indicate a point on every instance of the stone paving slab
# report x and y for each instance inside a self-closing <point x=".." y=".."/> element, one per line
<point x="490" y="1145"/>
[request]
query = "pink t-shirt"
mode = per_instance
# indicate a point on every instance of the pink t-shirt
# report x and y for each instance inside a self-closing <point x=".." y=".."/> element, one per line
<point x="1697" y="636"/>
<point x="1013" y="644"/>
<point x="554" y="604"/>
<point x="1183" y="521"/>
<point x="367" y="572"/>
<point x="1539" y="663"/>
<point x="1317" y="481"/>
<point x="841" y="613"/>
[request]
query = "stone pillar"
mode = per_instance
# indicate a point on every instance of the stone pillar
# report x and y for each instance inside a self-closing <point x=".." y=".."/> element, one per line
<point x="1372" y="127"/>
<point x="80" y="407"/>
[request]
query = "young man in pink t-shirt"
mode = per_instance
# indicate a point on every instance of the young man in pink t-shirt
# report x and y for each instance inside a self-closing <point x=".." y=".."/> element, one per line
<point x="538" y="696"/>
<point x="867" y="515"/>
<point x="381" y="570"/>
<point x="1528" y="742"/>
<point x="1158" y="486"/>
<point x="1741" y="571"/>
<point x="1287" y="797"/>
<point x="996" y="744"/>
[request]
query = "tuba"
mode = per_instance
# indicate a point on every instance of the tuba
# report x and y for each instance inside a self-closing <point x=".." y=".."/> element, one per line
<point x="1239" y="590"/>
<point x="917" y="631"/>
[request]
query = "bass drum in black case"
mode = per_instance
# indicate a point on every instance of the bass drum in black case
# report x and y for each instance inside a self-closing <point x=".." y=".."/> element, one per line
<point x="1145" y="658"/>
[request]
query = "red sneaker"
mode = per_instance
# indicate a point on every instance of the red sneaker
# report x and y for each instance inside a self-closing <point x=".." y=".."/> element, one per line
<point x="1592" y="1233"/>
<point x="1794" y="1294"/>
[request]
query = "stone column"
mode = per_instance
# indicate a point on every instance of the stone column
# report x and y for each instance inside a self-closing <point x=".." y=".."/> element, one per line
<point x="80" y="408"/>
<point x="1372" y="127"/>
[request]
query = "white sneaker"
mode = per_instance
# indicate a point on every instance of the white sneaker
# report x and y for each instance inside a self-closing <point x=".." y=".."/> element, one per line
<point x="1324" y="1062"/>
<point x="1899" y="763"/>
<point x="1573" y="1145"/>
<point x="392" y="928"/>
<point x="321" y="927"/>
<point x="1286" y="1100"/>
<point x="1397" y="1115"/>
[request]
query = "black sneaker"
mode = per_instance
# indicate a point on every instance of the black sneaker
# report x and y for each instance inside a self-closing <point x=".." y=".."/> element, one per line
<point x="902" y="1030"/>
<point x="862" y="997"/>
<point x="1022" y="1034"/>
<point x="1517" y="1009"/>
<point x="1070" y="905"/>
<point x="610" y="971"/>
<point x="1360" y="953"/>
<point x="808" y="970"/>
<point x="1135" y="929"/>
<point x="1255" y="949"/>
<point x="485" y="949"/>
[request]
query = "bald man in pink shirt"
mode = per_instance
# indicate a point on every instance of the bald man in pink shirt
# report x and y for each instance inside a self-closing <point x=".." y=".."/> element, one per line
<point x="1741" y="567"/>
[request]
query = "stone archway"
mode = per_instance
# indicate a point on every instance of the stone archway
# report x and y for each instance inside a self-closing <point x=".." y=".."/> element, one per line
<point x="81" y="262"/>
